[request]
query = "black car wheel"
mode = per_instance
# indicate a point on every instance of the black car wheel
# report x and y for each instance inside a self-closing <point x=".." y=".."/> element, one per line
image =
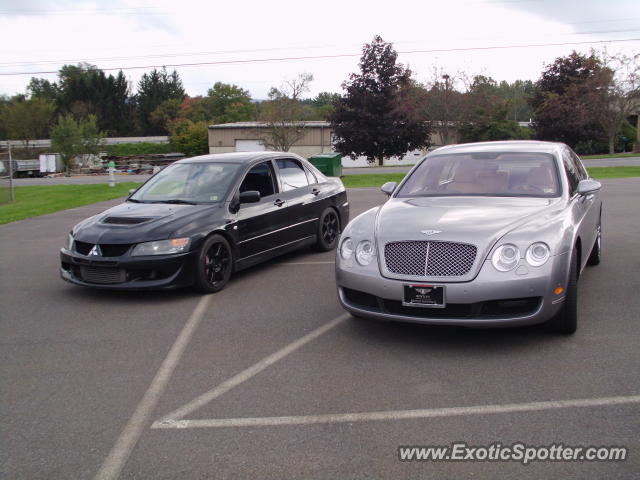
<point x="328" y="230"/>
<point x="566" y="320"/>
<point x="596" y="252"/>
<point x="215" y="264"/>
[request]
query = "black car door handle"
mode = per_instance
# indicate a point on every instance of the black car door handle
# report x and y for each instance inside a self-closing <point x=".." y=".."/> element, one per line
<point x="279" y="202"/>
<point x="315" y="191"/>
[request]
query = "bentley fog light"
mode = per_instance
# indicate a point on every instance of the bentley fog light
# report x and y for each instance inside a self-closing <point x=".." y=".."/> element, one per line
<point x="364" y="252"/>
<point x="161" y="247"/>
<point x="537" y="254"/>
<point x="346" y="249"/>
<point x="506" y="257"/>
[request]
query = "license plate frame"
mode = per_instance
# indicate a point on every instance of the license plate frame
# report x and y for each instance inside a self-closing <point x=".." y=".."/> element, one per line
<point x="423" y="295"/>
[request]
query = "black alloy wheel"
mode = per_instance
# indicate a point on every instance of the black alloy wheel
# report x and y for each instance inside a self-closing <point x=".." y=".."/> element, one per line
<point x="215" y="264"/>
<point x="328" y="230"/>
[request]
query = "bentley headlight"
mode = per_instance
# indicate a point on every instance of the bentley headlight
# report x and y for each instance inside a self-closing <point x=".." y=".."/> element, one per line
<point x="68" y="244"/>
<point x="537" y="254"/>
<point x="506" y="257"/>
<point x="346" y="249"/>
<point x="364" y="252"/>
<point x="161" y="247"/>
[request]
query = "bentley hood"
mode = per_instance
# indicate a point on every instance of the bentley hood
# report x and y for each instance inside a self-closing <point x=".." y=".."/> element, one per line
<point x="480" y="221"/>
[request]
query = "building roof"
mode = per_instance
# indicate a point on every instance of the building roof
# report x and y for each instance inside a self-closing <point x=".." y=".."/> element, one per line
<point x="306" y="124"/>
<point x="237" y="157"/>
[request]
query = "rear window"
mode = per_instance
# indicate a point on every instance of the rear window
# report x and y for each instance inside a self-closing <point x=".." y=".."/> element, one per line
<point x="484" y="174"/>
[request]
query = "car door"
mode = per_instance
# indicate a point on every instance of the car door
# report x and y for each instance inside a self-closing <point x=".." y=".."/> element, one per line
<point x="261" y="227"/>
<point x="581" y="205"/>
<point x="301" y="197"/>
<point x="591" y="204"/>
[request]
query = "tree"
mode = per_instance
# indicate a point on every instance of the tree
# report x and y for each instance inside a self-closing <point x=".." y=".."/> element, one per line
<point x="27" y="119"/>
<point x="284" y="114"/>
<point x="616" y="94"/>
<point x="563" y="100"/>
<point x="373" y="118"/>
<point x="154" y="88"/>
<point x="190" y="138"/>
<point x="71" y="138"/>
<point x="444" y="104"/>
<point x="227" y="103"/>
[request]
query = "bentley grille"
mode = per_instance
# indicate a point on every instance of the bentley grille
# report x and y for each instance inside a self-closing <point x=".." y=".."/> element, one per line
<point x="429" y="259"/>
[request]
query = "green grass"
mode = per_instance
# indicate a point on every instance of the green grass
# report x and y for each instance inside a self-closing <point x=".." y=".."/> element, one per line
<point x="377" y="179"/>
<point x="371" y="179"/>
<point x="33" y="201"/>
<point x="614" y="172"/>
<point x="610" y="155"/>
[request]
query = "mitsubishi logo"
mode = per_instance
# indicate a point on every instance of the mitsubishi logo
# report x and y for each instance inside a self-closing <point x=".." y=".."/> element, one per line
<point x="430" y="232"/>
<point x="95" y="251"/>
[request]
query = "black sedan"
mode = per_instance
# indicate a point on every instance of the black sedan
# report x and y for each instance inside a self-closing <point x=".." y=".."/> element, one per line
<point x="202" y="218"/>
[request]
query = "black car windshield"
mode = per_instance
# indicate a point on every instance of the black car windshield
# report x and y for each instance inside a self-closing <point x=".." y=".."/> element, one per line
<point x="485" y="174"/>
<point x="189" y="183"/>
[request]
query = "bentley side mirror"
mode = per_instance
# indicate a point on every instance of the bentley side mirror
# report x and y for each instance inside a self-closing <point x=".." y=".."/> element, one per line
<point x="250" y="196"/>
<point x="389" y="187"/>
<point x="588" y="186"/>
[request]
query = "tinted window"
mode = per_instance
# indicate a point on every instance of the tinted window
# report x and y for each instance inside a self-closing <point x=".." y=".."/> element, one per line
<point x="310" y="176"/>
<point x="484" y="174"/>
<point x="292" y="174"/>
<point x="573" y="173"/>
<point x="259" y="178"/>
<point x="580" y="167"/>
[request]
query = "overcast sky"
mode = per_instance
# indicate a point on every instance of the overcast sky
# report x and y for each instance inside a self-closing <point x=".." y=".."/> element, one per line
<point x="43" y="35"/>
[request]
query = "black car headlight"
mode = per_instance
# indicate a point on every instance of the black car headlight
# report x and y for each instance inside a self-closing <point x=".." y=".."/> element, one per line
<point x="161" y="247"/>
<point x="68" y="243"/>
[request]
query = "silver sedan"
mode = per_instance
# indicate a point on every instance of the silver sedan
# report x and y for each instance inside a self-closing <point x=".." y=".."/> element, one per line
<point x="483" y="234"/>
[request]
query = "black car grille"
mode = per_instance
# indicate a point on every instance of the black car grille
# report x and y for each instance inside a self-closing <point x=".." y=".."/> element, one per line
<point x="429" y="259"/>
<point x="106" y="249"/>
<point x="102" y="275"/>
<point x="493" y="309"/>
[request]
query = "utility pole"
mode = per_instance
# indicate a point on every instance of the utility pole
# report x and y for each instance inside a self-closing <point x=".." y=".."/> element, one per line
<point x="11" y="196"/>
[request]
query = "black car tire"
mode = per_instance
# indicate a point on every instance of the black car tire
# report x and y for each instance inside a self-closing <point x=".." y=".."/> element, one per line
<point x="328" y="230"/>
<point x="596" y="251"/>
<point x="215" y="263"/>
<point x="566" y="320"/>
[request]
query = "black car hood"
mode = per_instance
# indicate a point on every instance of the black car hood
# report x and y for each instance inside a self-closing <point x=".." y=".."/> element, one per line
<point x="139" y="222"/>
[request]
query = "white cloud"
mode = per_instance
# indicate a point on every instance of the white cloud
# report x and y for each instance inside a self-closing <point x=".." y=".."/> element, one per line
<point x="162" y="32"/>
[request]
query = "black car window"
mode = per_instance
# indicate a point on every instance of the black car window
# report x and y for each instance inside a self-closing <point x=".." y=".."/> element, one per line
<point x="259" y="178"/>
<point x="310" y="176"/>
<point x="573" y="174"/>
<point x="292" y="174"/>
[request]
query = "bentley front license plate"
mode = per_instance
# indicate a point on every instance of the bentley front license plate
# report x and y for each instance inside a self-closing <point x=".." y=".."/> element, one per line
<point x="421" y="295"/>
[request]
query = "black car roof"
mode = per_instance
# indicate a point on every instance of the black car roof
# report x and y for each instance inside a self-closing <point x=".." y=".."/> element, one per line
<point x="237" y="157"/>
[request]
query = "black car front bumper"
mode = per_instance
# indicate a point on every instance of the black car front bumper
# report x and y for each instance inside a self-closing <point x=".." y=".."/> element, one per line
<point x="129" y="273"/>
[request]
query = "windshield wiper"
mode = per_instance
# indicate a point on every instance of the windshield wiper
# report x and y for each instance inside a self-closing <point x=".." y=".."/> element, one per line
<point x="177" y="201"/>
<point x="134" y="200"/>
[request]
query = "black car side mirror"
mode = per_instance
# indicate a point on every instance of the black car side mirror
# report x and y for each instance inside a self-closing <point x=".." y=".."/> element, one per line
<point x="588" y="186"/>
<point x="250" y="196"/>
<point x="389" y="187"/>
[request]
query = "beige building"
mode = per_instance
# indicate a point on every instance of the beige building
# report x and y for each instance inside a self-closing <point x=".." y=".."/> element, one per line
<point x="317" y="138"/>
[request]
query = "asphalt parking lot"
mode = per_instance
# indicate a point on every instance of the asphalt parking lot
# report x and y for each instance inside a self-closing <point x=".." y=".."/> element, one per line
<point x="271" y="379"/>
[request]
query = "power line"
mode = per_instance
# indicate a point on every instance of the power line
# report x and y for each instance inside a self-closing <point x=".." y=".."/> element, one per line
<point x="342" y="55"/>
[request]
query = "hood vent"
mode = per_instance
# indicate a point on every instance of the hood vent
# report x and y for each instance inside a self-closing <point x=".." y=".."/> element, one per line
<point x="126" y="220"/>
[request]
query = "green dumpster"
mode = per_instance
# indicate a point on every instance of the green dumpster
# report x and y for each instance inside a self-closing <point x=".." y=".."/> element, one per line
<point x="328" y="163"/>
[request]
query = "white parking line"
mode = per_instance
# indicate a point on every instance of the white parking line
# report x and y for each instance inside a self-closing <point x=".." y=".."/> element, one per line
<point x="398" y="414"/>
<point x="250" y="372"/>
<point x="127" y="440"/>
